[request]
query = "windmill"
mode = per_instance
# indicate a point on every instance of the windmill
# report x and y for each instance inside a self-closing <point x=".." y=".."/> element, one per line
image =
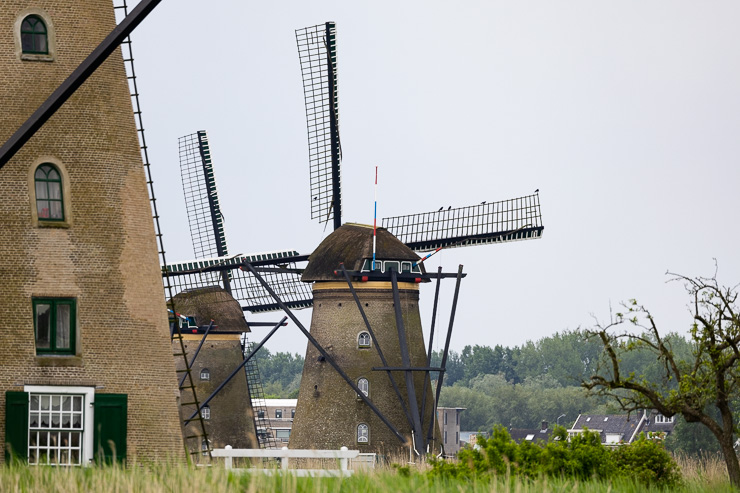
<point x="383" y="288"/>
<point x="385" y="291"/>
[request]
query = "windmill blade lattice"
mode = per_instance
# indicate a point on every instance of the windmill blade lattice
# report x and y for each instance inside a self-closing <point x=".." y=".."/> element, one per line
<point x="244" y="287"/>
<point x="201" y="198"/>
<point x="489" y="222"/>
<point x="317" y="52"/>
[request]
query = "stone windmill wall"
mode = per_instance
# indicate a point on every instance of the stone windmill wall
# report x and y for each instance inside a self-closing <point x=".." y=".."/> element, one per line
<point x="230" y="418"/>
<point x="89" y="273"/>
<point x="328" y="411"/>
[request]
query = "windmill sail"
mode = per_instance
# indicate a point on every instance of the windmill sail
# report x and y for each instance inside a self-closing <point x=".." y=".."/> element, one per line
<point x="489" y="222"/>
<point x="214" y="266"/>
<point x="283" y="279"/>
<point x="317" y="52"/>
<point x="201" y="198"/>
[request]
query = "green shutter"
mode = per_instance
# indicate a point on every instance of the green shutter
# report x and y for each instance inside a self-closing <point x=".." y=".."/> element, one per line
<point x="111" y="417"/>
<point x="16" y="426"/>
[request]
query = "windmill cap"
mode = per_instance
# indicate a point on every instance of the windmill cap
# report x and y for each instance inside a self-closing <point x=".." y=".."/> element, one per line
<point x="212" y="303"/>
<point x="351" y="244"/>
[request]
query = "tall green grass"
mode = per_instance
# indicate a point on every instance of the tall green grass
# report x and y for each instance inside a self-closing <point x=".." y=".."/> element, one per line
<point x="699" y="476"/>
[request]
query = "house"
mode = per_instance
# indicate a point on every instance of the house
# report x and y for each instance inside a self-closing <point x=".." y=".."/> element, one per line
<point x="623" y="428"/>
<point x="534" y="435"/>
<point x="448" y="419"/>
<point x="279" y="413"/>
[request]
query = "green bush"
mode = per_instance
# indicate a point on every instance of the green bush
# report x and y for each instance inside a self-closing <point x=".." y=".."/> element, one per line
<point x="648" y="462"/>
<point x="581" y="458"/>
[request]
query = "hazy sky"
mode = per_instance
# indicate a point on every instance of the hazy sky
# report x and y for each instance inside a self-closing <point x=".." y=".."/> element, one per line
<point x="625" y="115"/>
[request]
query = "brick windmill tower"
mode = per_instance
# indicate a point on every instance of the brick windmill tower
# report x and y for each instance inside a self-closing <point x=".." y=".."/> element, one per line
<point x="329" y="411"/>
<point x="85" y="356"/>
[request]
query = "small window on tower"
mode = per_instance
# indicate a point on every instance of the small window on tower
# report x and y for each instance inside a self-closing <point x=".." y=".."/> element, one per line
<point x="34" y="38"/>
<point x="363" y="433"/>
<point x="363" y="340"/>
<point x="49" y="202"/>
<point x="55" y="324"/>
<point x="205" y="374"/>
<point x="364" y="386"/>
<point x="206" y="412"/>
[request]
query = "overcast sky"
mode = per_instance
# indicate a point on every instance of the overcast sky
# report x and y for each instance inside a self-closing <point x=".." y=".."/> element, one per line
<point x="625" y="115"/>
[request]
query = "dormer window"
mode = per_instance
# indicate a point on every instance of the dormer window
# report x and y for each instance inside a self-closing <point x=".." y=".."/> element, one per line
<point x="659" y="418"/>
<point x="389" y="265"/>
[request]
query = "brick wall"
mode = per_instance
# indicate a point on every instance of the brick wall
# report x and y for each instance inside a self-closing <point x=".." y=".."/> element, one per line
<point x="105" y="254"/>
<point x="232" y="420"/>
<point x="328" y="409"/>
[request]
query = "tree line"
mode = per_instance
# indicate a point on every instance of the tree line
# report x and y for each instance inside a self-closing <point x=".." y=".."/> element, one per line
<point x="517" y="387"/>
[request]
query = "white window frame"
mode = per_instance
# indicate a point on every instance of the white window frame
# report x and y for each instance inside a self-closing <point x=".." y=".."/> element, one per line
<point x="369" y="340"/>
<point x="362" y="381"/>
<point x="207" y="373"/>
<point x="206" y="412"/>
<point x="363" y="433"/>
<point x="660" y="419"/>
<point x="88" y="418"/>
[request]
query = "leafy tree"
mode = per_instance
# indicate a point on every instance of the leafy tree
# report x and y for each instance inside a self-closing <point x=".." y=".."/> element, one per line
<point x="691" y="438"/>
<point x="699" y="388"/>
<point x="280" y="372"/>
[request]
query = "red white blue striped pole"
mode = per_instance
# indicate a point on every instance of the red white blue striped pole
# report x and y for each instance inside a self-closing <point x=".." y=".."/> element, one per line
<point x="375" y="215"/>
<point x="422" y="260"/>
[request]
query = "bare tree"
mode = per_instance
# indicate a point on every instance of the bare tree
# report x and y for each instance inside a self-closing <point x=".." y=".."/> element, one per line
<point x="701" y="387"/>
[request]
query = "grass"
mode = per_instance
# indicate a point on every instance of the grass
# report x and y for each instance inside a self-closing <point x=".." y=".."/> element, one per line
<point x="701" y="475"/>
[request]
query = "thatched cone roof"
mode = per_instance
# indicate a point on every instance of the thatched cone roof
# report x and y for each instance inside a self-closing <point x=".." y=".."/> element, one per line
<point x="212" y="303"/>
<point x="351" y="244"/>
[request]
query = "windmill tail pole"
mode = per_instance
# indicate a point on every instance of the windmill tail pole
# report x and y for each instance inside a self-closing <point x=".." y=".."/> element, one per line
<point x="447" y="341"/>
<point x="375" y="215"/>
<point x="427" y="376"/>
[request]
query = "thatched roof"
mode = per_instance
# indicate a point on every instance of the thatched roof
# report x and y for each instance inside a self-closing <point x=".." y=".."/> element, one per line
<point x="212" y="303"/>
<point x="351" y="244"/>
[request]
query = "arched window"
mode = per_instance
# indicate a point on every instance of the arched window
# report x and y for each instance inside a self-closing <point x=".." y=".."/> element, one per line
<point x="205" y="374"/>
<point x="363" y="433"/>
<point x="34" y="37"/>
<point x="206" y="412"/>
<point x="49" y="201"/>
<point x="364" y="386"/>
<point x="363" y="340"/>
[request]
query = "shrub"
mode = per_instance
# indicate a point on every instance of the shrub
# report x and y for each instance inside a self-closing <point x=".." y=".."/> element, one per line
<point x="581" y="458"/>
<point x="648" y="462"/>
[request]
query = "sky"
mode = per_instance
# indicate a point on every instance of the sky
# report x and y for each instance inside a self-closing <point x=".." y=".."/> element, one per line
<point x="625" y="115"/>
